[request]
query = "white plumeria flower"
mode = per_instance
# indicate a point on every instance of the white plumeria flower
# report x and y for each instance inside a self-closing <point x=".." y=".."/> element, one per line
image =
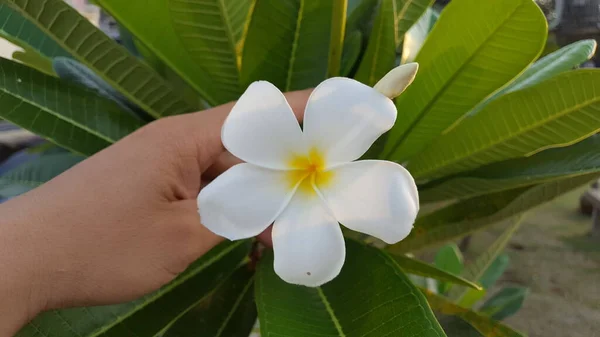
<point x="304" y="180"/>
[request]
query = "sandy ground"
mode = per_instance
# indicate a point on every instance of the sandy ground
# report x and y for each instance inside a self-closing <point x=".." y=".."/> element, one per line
<point x="553" y="256"/>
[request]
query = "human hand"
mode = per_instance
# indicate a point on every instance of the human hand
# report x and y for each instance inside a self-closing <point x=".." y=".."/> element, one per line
<point x="118" y="225"/>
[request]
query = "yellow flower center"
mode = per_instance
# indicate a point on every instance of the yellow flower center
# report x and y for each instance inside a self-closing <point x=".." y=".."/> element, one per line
<point x="308" y="170"/>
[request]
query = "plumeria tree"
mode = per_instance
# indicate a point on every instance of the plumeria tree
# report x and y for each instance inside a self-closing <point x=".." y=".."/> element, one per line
<point x="489" y="129"/>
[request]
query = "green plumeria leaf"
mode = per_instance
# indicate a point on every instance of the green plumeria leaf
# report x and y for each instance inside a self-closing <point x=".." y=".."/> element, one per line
<point x="450" y="259"/>
<point x="66" y="114"/>
<point x="416" y="267"/>
<point x="467" y="216"/>
<point x="38" y="48"/>
<point x="34" y="60"/>
<point x="476" y="269"/>
<point x="73" y="71"/>
<point x="407" y="13"/>
<point x="212" y="34"/>
<point x="550" y="65"/>
<point x="338" y="33"/>
<point x="371" y="295"/>
<point x="229" y="311"/>
<point x="578" y="159"/>
<point x="35" y="172"/>
<point x="474" y="48"/>
<point x="416" y="35"/>
<point x="558" y="112"/>
<point x="352" y="49"/>
<point x="359" y="14"/>
<point x="90" y="46"/>
<point x="471" y="297"/>
<point x="200" y="41"/>
<point x="380" y="55"/>
<point x="505" y="303"/>
<point x="493" y="273"/>
<point x="289" y="43"/>
<point x="483" y="324"/>
<point x="20" y="31"/>
<point x="151" y="314"/>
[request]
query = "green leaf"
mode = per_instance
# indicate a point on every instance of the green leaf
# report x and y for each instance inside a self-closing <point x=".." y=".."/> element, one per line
<point x="20" y="31"/>
<point x="352" y="49"/>
<point x="209" y="32"/>
<point x="416" y="35"/>
<point x="370" y="296"/>
<point x="475" y="48"/>
<point x="475" y="270"/>
<point x="471" y="298"/>
<point x="34" y="60"/>
<point x="474" y="214"/>
<point x="359" y="13"/>
<point x="578" y="159"/>
<point x="38" y="48"/>
<point x="66" y="114"/>
<point x="550" y="65"/>
<point x="483" y="324"/>
<point x="338" y="32"/>
<point x="128" y="41"/>
<point x="490" y="276"/>
<point x="416" y="267"/>
<point x="456" y="327"/>
<point x="407" y="13"/>
<point x="151" y="314"/>
<point x="73" y="71"/>
<point x="35" y="172"/>
<point x="558" y="112"/>
<point x="494" y="271"/>
<point x="380" y="55"/>
<point x="288" y="43"/>
<point x="90" y="46"/>
<point x="229" y="311"/>
<point x="449" y="259"/>
<point x="505" y="303"/>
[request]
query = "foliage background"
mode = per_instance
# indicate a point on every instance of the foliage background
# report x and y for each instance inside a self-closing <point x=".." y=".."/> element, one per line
<point x="478" y="130"/>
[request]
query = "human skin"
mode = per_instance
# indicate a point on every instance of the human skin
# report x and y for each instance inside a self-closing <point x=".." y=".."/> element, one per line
<point x="118" y="225"/>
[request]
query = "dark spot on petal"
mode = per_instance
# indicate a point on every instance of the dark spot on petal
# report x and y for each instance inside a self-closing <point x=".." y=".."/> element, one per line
<point x="308" y="273"/>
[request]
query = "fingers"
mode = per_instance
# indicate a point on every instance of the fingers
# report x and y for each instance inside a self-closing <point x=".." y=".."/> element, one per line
<point x="197" y="239"/>
<point x="223" y="162"/>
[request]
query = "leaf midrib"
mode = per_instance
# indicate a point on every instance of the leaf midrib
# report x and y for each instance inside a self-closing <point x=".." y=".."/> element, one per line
<point x="450" y="80"/>
<point x="487" y="146"/>
<point x="57" y="115"/>
<point x="331" y="313"/>
<point x="292" y="59"/>
<point x="398" y="17"/>
<point x="227" y="22"/>
<point x="235" y="306"/>
<point x="505" y="184"/>
<point x="378" y="40"/>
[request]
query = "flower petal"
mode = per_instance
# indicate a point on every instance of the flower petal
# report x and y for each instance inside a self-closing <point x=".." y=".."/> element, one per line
<point x="374" y="197"/>
<point x="308" y="242"/>
<point x="243" y="201"/>
<point x="344" y="117"/>
<point x="262" y="129"/>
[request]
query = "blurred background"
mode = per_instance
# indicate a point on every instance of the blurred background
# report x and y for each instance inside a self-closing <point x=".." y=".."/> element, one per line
<point x="555" y="255"/>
